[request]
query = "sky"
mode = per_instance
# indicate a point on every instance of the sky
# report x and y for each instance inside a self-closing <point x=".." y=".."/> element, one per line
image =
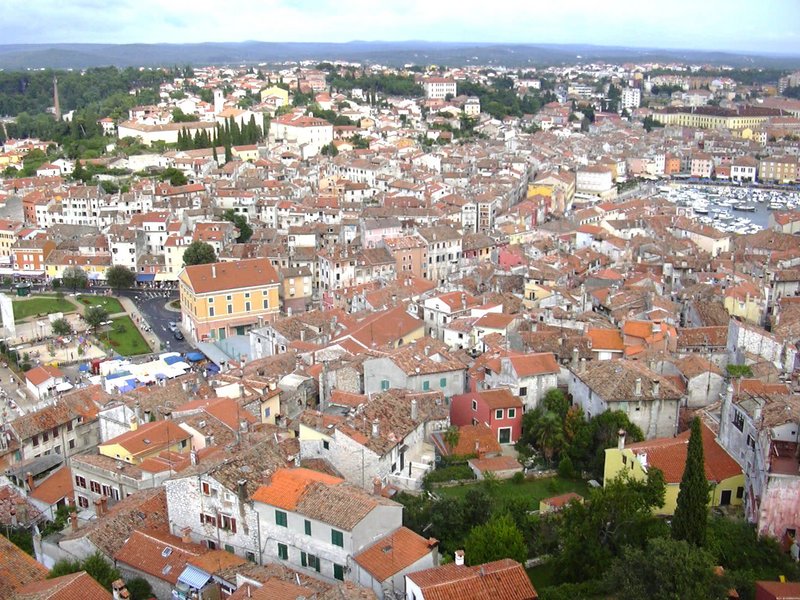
<point x="768" y="26"/>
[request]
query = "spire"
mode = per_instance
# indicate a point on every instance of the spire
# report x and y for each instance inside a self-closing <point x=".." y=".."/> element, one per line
<point x="56" y="104"/>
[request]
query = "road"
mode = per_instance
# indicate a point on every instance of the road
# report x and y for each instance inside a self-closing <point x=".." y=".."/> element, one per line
<point x="152" y="305"/>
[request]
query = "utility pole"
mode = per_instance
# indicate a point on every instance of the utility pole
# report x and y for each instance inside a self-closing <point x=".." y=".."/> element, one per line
<point x="56" y="103"/>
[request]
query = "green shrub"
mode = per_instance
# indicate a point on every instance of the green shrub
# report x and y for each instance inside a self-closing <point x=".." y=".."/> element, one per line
<point x="452" y="473"/>
<point x="518" y="478"/>
<point x="566" y="469"/>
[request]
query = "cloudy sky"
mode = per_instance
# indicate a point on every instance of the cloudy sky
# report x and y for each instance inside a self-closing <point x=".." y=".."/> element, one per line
<point x="740" y="25"/>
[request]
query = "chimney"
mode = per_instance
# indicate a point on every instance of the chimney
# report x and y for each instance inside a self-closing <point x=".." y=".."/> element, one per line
<point x="119" y="591"/>
<point x="73" y="520"/>
<point x="583" y="365"/>
<point x="376" y="428"/>
<point x="414" y="411"/>
<point x="427" y="350"/>
<point x="637" y="388"/>
<point x="459" y="558"/>
<point x="29" y="479"/>
<point x="656" y="387"/>
<point x="104" y="504"/>
<point x="98" y="508"/>
<point x="214" y="271"/>
<point x="186" y="535"/>
<point x="575" y="356"/>
<point x="241" y="489"/>
<point x="134" y="423"/>
<point x="193" y="458"/>
<point x="621" y="439"/>
<point x="377" y="486"/>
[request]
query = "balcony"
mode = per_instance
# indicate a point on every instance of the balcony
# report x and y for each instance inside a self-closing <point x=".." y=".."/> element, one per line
<point x="418" y="462"/>
<point x="783" y="459"/>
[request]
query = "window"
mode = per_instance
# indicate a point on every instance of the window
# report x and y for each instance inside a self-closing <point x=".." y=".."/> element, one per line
<point x="283" y="551"/>
<point x="94" y="486"/>
<point x="83" y="502"/>
<point x="211" y="301"/>
<point x="739" y="492"/>
<point x="426" y="385"/>
<point x="498" y="414"/>
<point x="512" y="413"/>
<point x="384" y="385"/>
<point x="280" y="518"/>
<point x="337" y="538"/>
<point x="229" y="297"/>
<point x="69" y="426"/>
<point x="751" y="441"/>
<point x="44" y="437"/>
<point x="443" y="382"/>
<point x="250" y="556"/>
<point x="208" y="519"/>
<point x="205" y="488"/>
<point x="106" y="490"/>
<point x="310" y="561"/>
<point x="523" y="391"/>
<point x="308" y="527"/>
<point x="338" y="572"/>
<point x="738" y="421"/>
<point x="474" y="405"/>
<point x="326" y="444"/>
<point x="229" y="548"/>
<point x="230" y="309"/>
<point x="227" y="523"/>
<point x="80" y="481"/>
<point x="71" y="444"/>
<point x="266" y="302"/>
<point x="210" y="311"/>
<point x="247" y="307"/>
<point x="212" y="545"/>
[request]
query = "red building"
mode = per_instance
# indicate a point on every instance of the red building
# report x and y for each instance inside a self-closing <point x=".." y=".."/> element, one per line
<point x="498" y="409"/>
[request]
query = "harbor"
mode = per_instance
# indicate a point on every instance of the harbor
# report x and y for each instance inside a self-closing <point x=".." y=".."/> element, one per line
<point x="731" y="209"/>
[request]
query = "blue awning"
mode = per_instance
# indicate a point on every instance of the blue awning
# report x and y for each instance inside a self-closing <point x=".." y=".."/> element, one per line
<point x="171" y="360"/>
<point x="141" y="277"/>
<point x="195" y="356"/>
<point x="84" y="368"/>
<point x="194" y="577"/>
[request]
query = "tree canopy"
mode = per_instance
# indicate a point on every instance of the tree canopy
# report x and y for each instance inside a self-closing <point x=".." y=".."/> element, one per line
<point x="691" y="512"/>
<point x="498" y="538"/>
<point x="74" y="278"/>
<point x="199" y="253"/>
<point x="94" y="316"/>
<point x="119" y="277"/>
<point x="240" y="221"/>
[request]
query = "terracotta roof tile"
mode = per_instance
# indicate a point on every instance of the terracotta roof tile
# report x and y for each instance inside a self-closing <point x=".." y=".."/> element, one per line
<point x="669" y="455"/>
<point x="393" y="553"/>
<point x="75" y="586"/>
<point x="56" y="486"/>
<point x="159" y="554"/>
<point x="504" y="579"/>
<point x="17" y="568"/>
<point x="221" y="276"/>
<point x="287" y="486"/>
<point x="606" y="339"/>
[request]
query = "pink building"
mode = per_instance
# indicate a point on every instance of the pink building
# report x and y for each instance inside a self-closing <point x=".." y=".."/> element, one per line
<point x="498" y="409"/>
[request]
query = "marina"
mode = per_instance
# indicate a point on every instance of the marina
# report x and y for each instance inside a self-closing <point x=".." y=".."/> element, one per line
<point x="731" y="209"/>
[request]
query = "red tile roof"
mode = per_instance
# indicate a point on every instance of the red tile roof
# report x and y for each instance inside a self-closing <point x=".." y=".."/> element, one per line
<point x="504" y="579"/>
<point x="161" y="555"/>
<point x="606" y="339"/>
<point x="38" y="375"/>
<point x="223" y="276"/>
<point x="287" y="486"/>
<point x="669" y="455"/>
<point x="393" y="553"/>
<point x="56" y="486"/>
<point x="17" y="568"/>
<point x="75" y="586"/>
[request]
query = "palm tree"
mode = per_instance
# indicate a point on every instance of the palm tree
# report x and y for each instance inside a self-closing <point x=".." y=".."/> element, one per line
<point x="549" y="435"/>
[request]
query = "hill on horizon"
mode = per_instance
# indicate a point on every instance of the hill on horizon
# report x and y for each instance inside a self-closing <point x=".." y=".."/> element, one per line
<point x="79" y="56"/>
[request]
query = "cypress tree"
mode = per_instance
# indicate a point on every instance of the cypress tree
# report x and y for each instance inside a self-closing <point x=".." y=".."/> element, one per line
<point x="214" y="152"/>
<point x="228" y="154"/>
<point x="691" y="513"/>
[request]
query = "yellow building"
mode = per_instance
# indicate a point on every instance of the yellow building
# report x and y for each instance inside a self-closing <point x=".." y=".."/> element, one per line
<point x="147" y="441"/>
<point x="281" y="95"/>
<point x="245" y="153"/>
<point x="228" y="298"/>
<point x="744" y="301"/>
<point x="95" y="267"/>
<point x="712" y="117"/>
<point x="270" y="407"/>
<point x="669" y="455"/>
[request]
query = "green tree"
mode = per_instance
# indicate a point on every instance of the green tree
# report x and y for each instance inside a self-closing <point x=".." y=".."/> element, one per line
<point x="61" y="327"/>
<point x="119" y="277"/>
<point x="139" y="588"/>
<point x="617" y="515"/>
<point x="548" y="434"/>
<point x="174" y="176"/>
<point x="100" y="569"/>
<point x="498" y="538"/>
<point x="64" y="566"/>
<point x="451" y="436"/>
<point x="691" y="512"/>
<point x="74" y="278"/>
<point x="199" y="253"/>
<point x="667" y="569"/>
<point x="94" y="316"/>
<point x="240" y="221"/>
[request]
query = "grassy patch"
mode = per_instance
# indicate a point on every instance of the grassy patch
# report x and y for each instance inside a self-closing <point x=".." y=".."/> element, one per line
<point x="175" y="304"/>
<point x="112" y="305"/>
<point x="542" y="575"/>
<point x="532" y="490"/>
<point x="41" y="305"/>
<point x="124" y="338"/>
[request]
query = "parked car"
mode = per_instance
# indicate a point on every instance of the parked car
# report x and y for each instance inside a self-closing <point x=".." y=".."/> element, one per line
<point x="178" y="335"/>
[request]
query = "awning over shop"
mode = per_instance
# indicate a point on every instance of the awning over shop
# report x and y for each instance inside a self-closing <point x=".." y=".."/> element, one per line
<point x="195" y="578"/>
<point x="145" y="277"/>
<point x="63" y="386"/>
<point x="195" y="356"/>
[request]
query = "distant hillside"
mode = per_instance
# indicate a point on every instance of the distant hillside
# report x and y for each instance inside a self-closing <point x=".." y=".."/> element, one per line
<point x="76" y="56"/>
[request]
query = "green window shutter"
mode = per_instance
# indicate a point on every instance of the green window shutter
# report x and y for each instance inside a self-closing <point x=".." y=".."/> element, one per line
<point x="308" y="527"/>
<point x="303" y="559"/>
<point x="338" y="572"/>
<point x="337" y="538"/>
<point x="280" y="518"/>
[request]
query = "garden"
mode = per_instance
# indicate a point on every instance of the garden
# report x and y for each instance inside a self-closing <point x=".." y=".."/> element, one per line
<point x="41" y="305"/>
<point x="124" y="338"/>
<point x="110" y="304"/>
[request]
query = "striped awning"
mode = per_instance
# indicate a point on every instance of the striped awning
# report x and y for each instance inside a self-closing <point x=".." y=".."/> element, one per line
<point x="194" y="577"/>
